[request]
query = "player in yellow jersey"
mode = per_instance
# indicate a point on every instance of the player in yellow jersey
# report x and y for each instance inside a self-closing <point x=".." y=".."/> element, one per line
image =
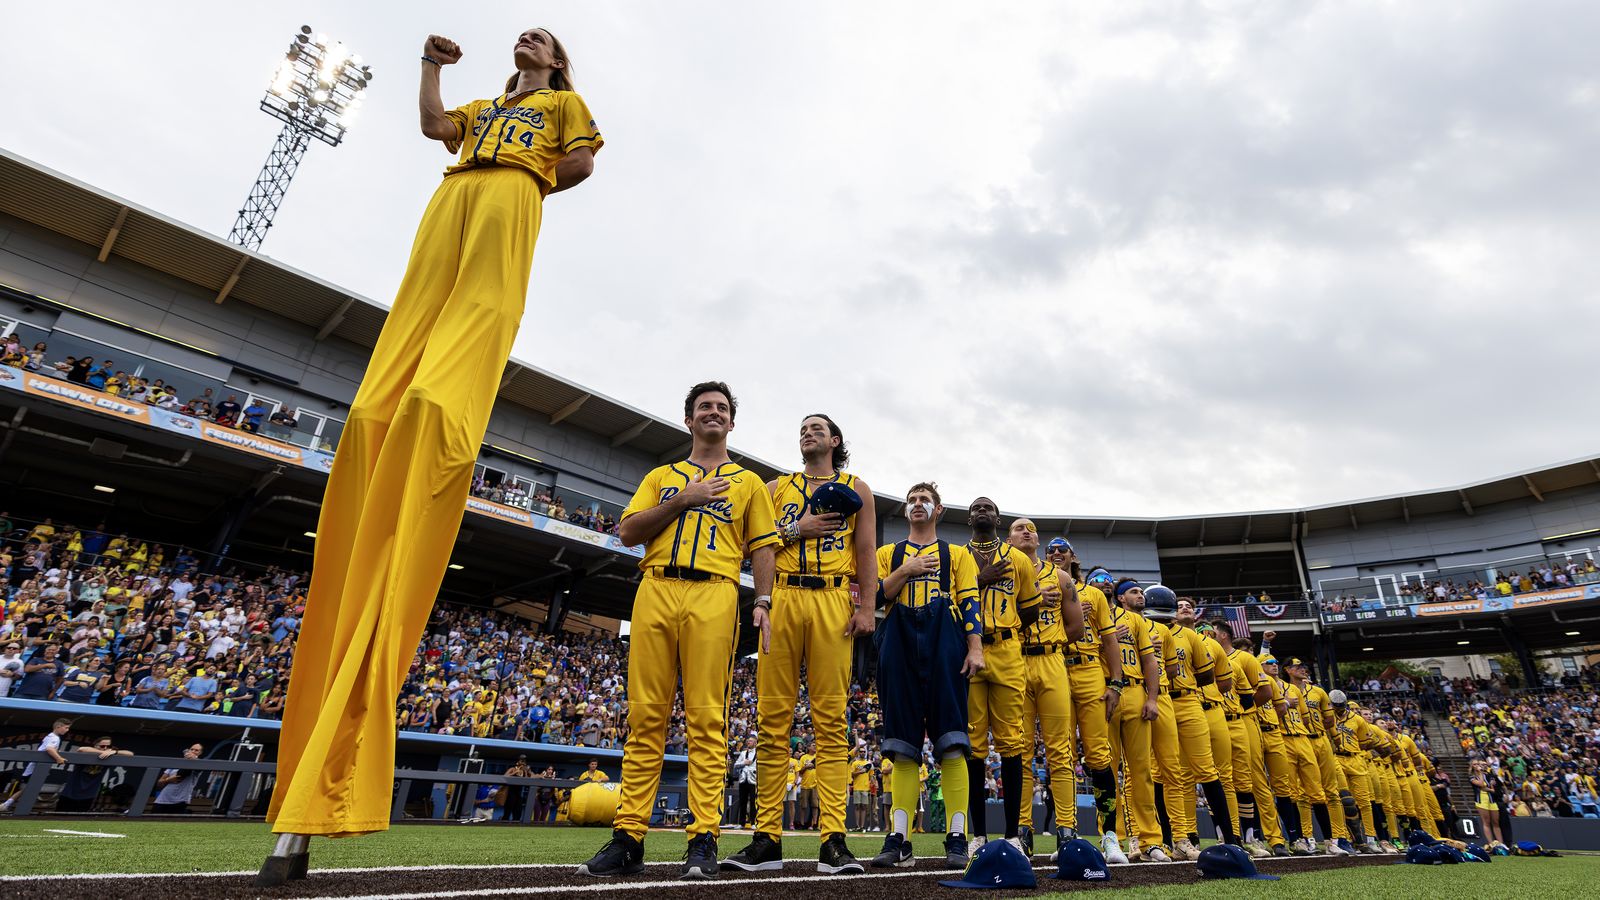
<point x="1168" y="764"/>
<point x="1215" y="701"/>
<point x="1009" y="602"/>
<point x="930" y="644"/>
<point x="1131" y="725"/>
<point x="1414" y="782"/>
<point x="1258" y="821"/>
<point x="1273" y="719"/>
<point x="1351" y="736"/>
<point x="394" y="500"/>
<point x="1047" y="697"/>
<point x="698" y="520"/>
<point x="1386" y="815"/>
<point x="1093" y="664"/>
<point x="1347" y="832"/>
<point x="821" y="510"/>
<point x="1195" y="669"/>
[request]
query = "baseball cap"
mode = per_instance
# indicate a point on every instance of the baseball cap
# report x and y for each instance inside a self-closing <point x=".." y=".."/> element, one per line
<point x="1081" y="861"/>
<point x="1420" y="838"/>
<point x="1338" y="697"/>
<point x="834" y="497"/>
<point x="996" y="865"/>
<point x="1428" y="855"/>
<point x="1228" y="861"/>
<point x="1294" y="661"/>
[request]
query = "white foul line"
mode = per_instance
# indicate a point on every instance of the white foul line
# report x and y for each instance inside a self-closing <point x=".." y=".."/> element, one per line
<point x="100" y="834"/>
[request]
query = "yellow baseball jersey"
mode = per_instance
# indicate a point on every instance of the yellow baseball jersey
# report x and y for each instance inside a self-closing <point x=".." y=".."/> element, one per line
<point x="1096" y="622"/>
<point x="1352" y="734"/>
<point x="1167" y="653"/>
<point x="1409" y="753"/>
<point x="808" y="770"/>
<point x="534" y="133"/>
<point x="961" y="580"/>
<point x="1134" y="643"/>
<point x="1247" y="677"/>
<point x="1296" y="721"/>
<point x="595" y="775"/>
<point x="1049" y="629"/>
<point x="1193" y="658"/>
<point x="860" y="774"/>
<point x="1000" y="602"/>
<point x="716" y="536"/>
<point x="1317" y="705"/>
<point x="1223" y="669"/>
<point x="831" y="554"/>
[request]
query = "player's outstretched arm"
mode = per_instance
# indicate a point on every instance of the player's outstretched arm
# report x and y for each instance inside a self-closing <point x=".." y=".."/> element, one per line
<point x="435" y="124"/>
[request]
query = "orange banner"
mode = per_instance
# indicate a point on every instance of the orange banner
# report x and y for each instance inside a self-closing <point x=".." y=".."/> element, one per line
<point x="250" y="443"/>
<point x="86" y="398"/>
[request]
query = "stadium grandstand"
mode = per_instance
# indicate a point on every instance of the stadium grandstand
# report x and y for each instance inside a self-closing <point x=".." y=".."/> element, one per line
<point x="170" y="405"/>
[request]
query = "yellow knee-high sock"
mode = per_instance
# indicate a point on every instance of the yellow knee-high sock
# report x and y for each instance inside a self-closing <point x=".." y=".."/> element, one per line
<point x="953" y="775"/>
<point x="903" y="787"/>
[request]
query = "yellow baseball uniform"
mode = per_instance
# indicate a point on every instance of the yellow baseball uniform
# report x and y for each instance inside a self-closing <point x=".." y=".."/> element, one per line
<point x="1215" y="703"/>
<point x="1334" y="785"/>
<point x="811" y="609"/>
<point x="994" y="697"/>
<point x="1130" y="732"/>
<point x="1164" y="750"/>
<point x="1352" y="736"/>
<point x="1089" y="674"/>
<point x="686" y="623"/>
<point x="398" y="488"/>
<point x="1275" y="751"/>
<point x="1047" y="697"/>
<point x="1195" y="764"/>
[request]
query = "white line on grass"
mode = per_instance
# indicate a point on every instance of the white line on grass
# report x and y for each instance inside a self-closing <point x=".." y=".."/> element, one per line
<point x="96" y="834"/>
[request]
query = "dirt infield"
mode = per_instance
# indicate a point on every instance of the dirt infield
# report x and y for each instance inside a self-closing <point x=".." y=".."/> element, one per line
<point x="798" y="882"/>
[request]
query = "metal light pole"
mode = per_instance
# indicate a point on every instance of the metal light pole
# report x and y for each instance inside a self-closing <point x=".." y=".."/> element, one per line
<point x="316" y="91"/>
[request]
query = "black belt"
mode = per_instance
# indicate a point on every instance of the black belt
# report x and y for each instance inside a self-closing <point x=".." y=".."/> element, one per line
<point x="684" y="573"/>
<point x="815" y="582"/>
<point x="1182" y="692"/>
<point x="1039" y="649"/>
<point x="1080" y="658"/>
<point x="1268" y="728"/>
<point x="999" y="634"/>
<point x="1343" y="753"/>
<point x="1231" y="717"/>
<point x="1209" y="704"/>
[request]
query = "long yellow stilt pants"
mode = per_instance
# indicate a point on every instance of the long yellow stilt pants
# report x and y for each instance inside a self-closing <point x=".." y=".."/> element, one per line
<point x="807" y="625"/>
<point x="396" y="496"/>
<point x="686" y="629"/>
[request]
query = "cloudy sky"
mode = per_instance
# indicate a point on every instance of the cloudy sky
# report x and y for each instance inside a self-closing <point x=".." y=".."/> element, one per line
<point x="1097" y="258"/>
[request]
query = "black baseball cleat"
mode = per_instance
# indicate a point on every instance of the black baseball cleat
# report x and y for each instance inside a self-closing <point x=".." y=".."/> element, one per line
<point x="836" y="858"/>
<point x="700" y="860"/>
<point x="955" y="850"/>
<point x="1025" y="838"/>
<point x="1280" y="850"/>
<point x="1064" y="836"/>
<point x="896" y="854"/>
<point x="622" y="855"/>
<point x="288" y="862"/>
<point x="763" y="854"/>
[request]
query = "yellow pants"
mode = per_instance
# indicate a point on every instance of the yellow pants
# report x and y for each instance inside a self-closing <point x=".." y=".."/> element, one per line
<point x="1247" y="735"/>
<point x="395" y="498"/>
<point x="1431" y="800"/>
<point x="1354" y="768"/>
<point x="1130" y="743"/>
<point x="687" y="629"/>
<point x="1089" y="709"/>
<point x="1222" y="755"/>
<point x="1333" y="784"/>
<point x="1280" y="766"/>
<point x="1195" y="764"/>
<point x="807" y="626"/>
<point x="1169" y="765"/>
<point x="994" y="701"/>
<point x="1048" y="700"/>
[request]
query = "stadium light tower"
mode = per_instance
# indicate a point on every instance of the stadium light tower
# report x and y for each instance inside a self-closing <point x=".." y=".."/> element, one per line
<point x="316" y="91"/>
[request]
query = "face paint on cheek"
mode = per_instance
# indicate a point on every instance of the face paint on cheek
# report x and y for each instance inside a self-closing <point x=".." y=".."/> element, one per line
<point x="926" y="507"/>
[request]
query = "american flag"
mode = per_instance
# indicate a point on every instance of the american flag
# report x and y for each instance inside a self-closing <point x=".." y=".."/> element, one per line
<point x="1235" y="616"/>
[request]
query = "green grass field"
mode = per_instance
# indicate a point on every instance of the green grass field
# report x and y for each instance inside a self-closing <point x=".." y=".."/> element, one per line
<point x="26" y="848"/>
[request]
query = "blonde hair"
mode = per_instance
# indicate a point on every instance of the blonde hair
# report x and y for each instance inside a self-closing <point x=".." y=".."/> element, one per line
<point x="560" y="79"/>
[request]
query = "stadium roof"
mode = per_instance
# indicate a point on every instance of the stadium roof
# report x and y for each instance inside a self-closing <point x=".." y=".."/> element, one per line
<point x="68" y="207"/>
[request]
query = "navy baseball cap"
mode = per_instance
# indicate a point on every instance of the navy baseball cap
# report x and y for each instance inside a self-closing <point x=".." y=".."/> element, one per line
<point x="834" y="497"/>
<point x="1419" y="837"/>
<point x="996" y="865"/>
<point x="1081" y="861"/>
<point x="1426" y="855"/>
<point x="1478" y="853"/>
<point x="1228" y="861"/>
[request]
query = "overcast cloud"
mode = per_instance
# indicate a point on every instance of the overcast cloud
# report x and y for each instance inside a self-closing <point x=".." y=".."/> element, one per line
<point x="1096" y="259"/>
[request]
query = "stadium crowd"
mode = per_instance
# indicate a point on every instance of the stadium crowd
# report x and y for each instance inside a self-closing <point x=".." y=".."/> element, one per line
<point x="545" y="502"/>
<point x="1534" y="753"/>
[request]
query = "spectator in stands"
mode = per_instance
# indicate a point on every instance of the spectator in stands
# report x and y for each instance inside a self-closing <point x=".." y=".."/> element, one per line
<point x="100" y="374"/>
<point x="42" y="674"/>
<point x="283" y="421"/>
<point x="203" y="406"/>
<point x="84" y="782"/>
<point x="252" y="416"/>
<point x="11" y="666"/>
<point x="78" y="373"/>
<point x="177" y="786"/>
<point x="228" y="411"/>
<point x="82" y="679"/>
<point x="153" y="691"/>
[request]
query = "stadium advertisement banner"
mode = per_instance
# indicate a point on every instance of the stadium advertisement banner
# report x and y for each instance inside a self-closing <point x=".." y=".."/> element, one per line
<point x="1349" y="616"/>
<point x="86" y="398"/>
<point x="548" y="525"/>
<point x="1512" y="602"/>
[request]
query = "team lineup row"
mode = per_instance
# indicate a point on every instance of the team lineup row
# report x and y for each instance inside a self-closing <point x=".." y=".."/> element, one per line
<point x="978" y="642"/>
